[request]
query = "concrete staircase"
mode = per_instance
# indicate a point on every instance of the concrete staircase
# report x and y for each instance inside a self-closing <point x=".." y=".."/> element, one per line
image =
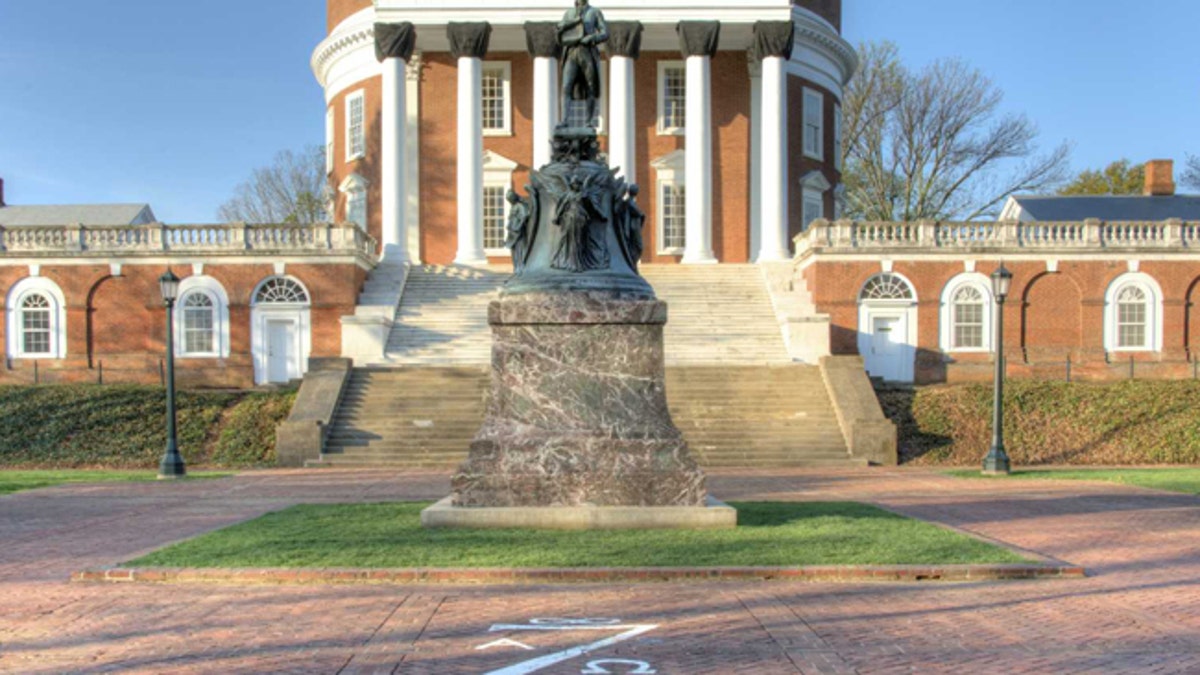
<point x="732" y="415"/>
<point x="719" y="314"/>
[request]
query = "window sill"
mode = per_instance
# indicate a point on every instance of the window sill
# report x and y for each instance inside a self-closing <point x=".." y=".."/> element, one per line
<point x="670" y="251"/>
<point x="497" y="253"/>
<point x="49" y="356"/>
<point x="815" y="156"/>
<point x="497" y="133"/>
<point x="672" y="131"/>
<point x="355" y="158"/>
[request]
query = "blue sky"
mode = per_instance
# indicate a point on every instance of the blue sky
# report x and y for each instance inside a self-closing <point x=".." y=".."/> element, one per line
<point x="175" y="103"/>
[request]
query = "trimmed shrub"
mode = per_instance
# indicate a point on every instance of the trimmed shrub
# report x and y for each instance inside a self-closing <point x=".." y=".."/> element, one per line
<point x="110" y="426"/>
<point x="1132" y="422"/>
<point x="248" y="435"/>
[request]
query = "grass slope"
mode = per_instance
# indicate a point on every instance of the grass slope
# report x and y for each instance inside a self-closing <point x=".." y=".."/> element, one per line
<point x="1050" y="423"/>
<point x="1185" y="480"/>
<point x="390" y="536"/>
<point x="123" y="426"/>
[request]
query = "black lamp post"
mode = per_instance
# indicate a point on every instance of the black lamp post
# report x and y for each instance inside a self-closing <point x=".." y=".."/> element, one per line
<point x="172" y="462"/>
<point x="996" y="462"/>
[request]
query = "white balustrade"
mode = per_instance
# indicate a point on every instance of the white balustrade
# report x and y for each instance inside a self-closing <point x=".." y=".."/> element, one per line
<point x="226" y="239"/>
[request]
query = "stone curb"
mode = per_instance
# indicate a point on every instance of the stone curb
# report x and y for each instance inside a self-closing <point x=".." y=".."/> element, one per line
<point x="572" y="575"/>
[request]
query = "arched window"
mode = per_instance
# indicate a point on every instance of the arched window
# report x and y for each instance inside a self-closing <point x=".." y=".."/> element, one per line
<point x="886" y="287"/>
<point x="277" y="290"/>
<point x="966" y="324"/>
<point x="202" y="319"/>
<point x="36" y="320"/>
<point x="1133" y="314"/>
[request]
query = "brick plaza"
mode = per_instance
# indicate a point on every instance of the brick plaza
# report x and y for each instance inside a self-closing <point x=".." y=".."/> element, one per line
<point x="1138" y="612"/>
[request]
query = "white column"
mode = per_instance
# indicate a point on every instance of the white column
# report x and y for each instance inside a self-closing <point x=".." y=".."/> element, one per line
<point x="755" y="160"/>
<point x="698" y="247"/>
<point x="470" y="162"/>
<point x="773" y="175"/>
<point x="622" y="145"/>
<point x="393" y="136"/>
<point x="545" y="107"/>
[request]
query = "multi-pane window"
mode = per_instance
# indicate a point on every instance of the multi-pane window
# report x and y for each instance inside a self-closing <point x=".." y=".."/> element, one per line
<point x="672" y="98"/>
<point x="280" y="290"/>
<point x="356" y="114"/>
<point x="199" y="323"/>
<point x="495" y="99"/>
<point x="967" y="310"/>
<point x="837" y="137"/>
<point x="886" y="286"/>
<point x="494" y="217"/>
<point x="1131" y="318"/>
<point x="36" y="320"/>
<point x="356" y="208"/>
<point x="329" y="140"/>
<point x="674" y="216"/>
<point x="814" y="207"/>
<point x="814" y="124"/>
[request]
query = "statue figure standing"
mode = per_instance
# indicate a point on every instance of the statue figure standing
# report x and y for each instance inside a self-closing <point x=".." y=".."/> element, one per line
<point x="580" y="34"/>
<point x="581" y="218"/>
<point x="518" y="230"/>
<point x="632" y="222"/>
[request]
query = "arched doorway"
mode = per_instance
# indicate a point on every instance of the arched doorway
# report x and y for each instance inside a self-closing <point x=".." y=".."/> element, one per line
<point x="887" y="327"/>
<point x="280" y="330"/>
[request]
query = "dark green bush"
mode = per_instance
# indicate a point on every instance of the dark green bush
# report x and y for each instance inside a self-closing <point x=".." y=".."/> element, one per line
<point x="1132" y="422"/>
<point x="248" y="435"/>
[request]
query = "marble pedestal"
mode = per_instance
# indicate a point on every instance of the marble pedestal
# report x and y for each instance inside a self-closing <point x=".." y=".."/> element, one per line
<point x="578" y="410"/>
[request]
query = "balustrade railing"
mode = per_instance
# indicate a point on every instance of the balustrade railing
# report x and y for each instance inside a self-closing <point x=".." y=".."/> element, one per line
<point x="230" y="239"/>
<point x="846" y="236"/>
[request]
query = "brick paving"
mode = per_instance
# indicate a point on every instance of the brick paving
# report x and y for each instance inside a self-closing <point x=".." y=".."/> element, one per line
<point x="1139" y="612"/>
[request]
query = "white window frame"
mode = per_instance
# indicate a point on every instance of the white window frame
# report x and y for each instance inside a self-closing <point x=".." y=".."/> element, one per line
<point x="58" y="318"/>
<point x="813" y="100"/>
<point x="215" y="292"/>
<point x="361" y="97"/>
<point x="1154" y="313"/>
<point x="813" y="187"/>
<point x="837" y="136"/>
<point x="329" y="140"/>
<point x="498" y="173"/>
<point x="355" y="187"/>
<point x="505" y="91"/>
<point x="260" y="316"/>
<point x="669" y="170"/>
<point x="661" y="86"/>
<point x="980" y="283"/>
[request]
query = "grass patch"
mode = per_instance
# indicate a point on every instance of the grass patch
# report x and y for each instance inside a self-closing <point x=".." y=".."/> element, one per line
<point x="123" y="426"/>
<point x="390" y="536"/>
<point x="1132" y="423"/>
<point x="16" y="481"/>
<point x="1185" y="480"/>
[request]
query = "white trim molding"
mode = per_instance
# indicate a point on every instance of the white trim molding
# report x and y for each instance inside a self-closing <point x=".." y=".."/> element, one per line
<point x="1151" y="318"/>
<point x="947" y="323"/>
<point x="506" y="104"/>
<point x="216" y="293"/>
<point x="670" y="170"/>
<point x="18" y="294"/>
<point x="660" y="87"/>
<point x="497" y="173"/>
<point x="261" y="314"/>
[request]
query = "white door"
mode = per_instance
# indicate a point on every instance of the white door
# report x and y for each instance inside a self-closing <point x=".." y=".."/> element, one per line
<point x="281" y="351"/>
<point x="886" y="352"/>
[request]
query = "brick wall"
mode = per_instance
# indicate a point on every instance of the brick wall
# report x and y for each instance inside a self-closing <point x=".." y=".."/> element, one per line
<point x="116" y="325"/>
<point x="1050" y="316"/>
<point x="338" y="11"/>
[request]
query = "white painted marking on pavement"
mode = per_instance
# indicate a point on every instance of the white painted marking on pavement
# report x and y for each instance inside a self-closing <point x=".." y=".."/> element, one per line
<point x="533" y="665"/>
<point x="504" y="642"/>
<point x="598" y="667"/>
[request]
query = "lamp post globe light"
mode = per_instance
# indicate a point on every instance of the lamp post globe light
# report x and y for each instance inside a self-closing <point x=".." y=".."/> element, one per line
<point x="172" y="462"/>
<point x="996" y="463"/>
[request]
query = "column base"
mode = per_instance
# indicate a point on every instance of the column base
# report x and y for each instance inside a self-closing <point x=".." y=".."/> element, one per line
<point x="471" y="259"/>
<point x="699" y="259"/>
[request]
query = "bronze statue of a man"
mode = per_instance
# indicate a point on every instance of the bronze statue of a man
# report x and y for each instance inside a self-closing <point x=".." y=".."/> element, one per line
<point x="580" y="33"/>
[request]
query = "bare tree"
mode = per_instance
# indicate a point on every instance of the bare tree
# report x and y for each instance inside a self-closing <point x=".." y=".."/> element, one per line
<point x="1191" y="172"/>
<point x="290" y="190"/>
<point x="932" y="144"/>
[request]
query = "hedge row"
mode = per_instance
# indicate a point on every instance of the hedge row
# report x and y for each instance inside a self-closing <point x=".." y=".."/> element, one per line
<point x="123" y="426"/>
<point x="1132" y="422"/>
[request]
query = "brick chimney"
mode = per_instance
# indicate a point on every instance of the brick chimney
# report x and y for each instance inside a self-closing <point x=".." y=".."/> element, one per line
<point x="1160" y="178"/>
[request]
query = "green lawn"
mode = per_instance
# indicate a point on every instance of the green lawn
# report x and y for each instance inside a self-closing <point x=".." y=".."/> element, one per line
<point x="390" y="536"/>
<point x="15" y="481"/>
<point x="1186" y="480"/>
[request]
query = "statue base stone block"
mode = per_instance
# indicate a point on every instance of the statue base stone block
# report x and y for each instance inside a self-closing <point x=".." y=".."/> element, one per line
<point x="577" y="428"/>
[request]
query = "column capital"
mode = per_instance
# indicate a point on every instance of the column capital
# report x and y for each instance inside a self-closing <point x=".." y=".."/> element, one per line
<point x="469" y="39"/>
<point x="772" y="38"/>
<point x="395" y="40"/>
<point x="541" y="39"/>
<point x="625" y="38"/>
<point x="698" y="38"/>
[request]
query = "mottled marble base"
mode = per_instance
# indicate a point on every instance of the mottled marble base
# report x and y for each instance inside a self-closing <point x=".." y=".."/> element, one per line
<point x="578" y="409"/>
<point x="713" y="515"/>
